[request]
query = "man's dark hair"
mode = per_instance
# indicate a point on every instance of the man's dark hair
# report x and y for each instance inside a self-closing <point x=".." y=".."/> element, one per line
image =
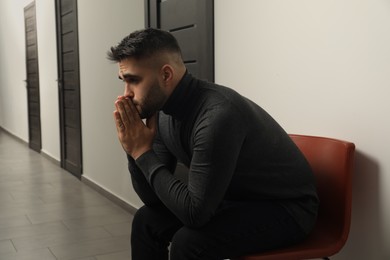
<point x="143" y="44"/>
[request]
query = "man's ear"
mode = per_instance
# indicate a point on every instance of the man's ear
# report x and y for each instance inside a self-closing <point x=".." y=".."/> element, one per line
<point x="167" y="72"/>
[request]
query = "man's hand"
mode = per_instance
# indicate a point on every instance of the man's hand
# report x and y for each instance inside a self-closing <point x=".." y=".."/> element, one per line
<point x="136" y="137"/>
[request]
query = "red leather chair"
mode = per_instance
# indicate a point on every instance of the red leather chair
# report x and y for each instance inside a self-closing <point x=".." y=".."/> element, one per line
<point x="331" y="161"/>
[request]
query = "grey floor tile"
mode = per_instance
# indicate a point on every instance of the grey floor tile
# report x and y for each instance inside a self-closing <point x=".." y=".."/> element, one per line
<point x="64" y="238"/>
<point x="124" y="255"/>
<point x="97" y="221"/>
<point x="57" y="215"/>
<point x="29" y="230"/>
<point x="17" y="208"/>
<point x="119" y="229"/>
<point x="11" y="185"/>
<point x="24" y="197"/>
<point x="5" y="197"/>
<point x="40" y="254"/>
<point x="91" y="248"/>
<point x="84" y="196"/>
<point x="6" y="247"/>
<point x="14" y="221"/>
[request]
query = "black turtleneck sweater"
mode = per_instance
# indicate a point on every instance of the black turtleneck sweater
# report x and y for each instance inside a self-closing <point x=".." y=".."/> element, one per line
<point x="234" y="151"/>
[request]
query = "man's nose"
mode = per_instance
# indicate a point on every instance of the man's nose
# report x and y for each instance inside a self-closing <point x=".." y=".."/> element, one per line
<point x="128" y="91"/>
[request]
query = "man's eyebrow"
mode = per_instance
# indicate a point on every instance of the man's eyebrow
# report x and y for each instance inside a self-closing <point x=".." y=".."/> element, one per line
<point x="127" y="76"/>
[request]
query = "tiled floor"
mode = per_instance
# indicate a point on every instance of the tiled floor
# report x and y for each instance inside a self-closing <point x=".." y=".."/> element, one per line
<point x="46" y="213"/>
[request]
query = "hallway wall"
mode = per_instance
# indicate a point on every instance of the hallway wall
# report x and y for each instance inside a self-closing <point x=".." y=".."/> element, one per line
<point x="319" y="67"/>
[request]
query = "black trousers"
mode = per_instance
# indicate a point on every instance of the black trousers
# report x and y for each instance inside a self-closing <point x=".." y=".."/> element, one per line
<point x="238" y="228"/>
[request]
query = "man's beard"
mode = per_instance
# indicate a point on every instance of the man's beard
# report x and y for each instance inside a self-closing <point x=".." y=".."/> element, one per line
<point x="152" y="102"/>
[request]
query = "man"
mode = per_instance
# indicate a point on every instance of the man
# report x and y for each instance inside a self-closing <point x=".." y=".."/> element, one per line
<point x="249" y="188"/>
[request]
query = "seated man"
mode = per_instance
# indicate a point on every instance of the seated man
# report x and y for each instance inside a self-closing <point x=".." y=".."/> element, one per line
<point x="249" y="187"/>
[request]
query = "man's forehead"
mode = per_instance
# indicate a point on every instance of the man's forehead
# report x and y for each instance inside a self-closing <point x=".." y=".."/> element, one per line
<point x="141" y="64"/>
<point x="126" y="67"/>
<point x="131" y="64"/>
<point x="123" y="64"/>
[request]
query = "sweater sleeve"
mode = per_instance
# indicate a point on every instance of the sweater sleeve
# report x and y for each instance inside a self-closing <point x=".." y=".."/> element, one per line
<point x="140" y="184"/>
<point x="217" y="141"/>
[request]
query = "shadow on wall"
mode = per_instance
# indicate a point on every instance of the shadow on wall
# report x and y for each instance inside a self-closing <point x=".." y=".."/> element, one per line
<point x="366" y="234"/>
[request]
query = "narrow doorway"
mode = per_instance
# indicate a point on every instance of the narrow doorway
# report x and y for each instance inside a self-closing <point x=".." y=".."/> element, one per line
<point x="69" y="86"/>
<point x="32" y="80"/>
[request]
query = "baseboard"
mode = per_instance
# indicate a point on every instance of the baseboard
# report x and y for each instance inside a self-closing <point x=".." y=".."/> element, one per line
<point x="123" y="204"/>
<point x="50" y="158"/>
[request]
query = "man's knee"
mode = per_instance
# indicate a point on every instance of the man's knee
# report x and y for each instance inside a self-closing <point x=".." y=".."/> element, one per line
<point x="186" y="244"/>
<point x="143" y="216"/>
<point x="156" y="222"/>
<point x="151" y="215"/>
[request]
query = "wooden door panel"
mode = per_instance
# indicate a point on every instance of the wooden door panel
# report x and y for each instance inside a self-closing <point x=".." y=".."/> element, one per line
<point x="34" y="120"/>
<point x="68" y="42"/>
<point x="69" y="61"/>
<point x="35" y="135"/>
<point x="192" y="24"/>
<point x="32" y="50"/>
<point x="32" y="67"/>
<point x="33" y="100"/>
<point x="29" y="21"/>
<point x="67" y="23"/>
<point x="69" y="80"/>
<point x="66" y="7"/>
<point x="178" y="13"/>
<point x="31" y="36"/>
<point x="72" y="160"/>
<point x="71" y="118"/>
<point x="33" y="94"/>
<point x="186" y="38"/>
<point x="72" y="148"/>
<point x="70" y="100"/>
<point x="69" y="85"/>
<point x="193" y="68"/>
<point x="34" y="109"/>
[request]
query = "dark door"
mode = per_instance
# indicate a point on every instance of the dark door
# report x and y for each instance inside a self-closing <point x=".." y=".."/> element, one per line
<point x="192" y="23"/>
<point x="32" y="81"/>
<point x="69" y="86"/>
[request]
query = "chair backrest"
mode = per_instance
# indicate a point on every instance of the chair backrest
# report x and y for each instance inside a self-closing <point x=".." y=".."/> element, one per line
<point x="331" y="161"/>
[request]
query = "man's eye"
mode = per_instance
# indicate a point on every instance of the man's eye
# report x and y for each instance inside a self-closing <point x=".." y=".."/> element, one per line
<point x="132" y="80"/>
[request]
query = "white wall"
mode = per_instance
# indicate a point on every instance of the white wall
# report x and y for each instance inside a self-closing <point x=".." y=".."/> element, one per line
<point x="320" y="68"/>
<point x="103" y="24"/>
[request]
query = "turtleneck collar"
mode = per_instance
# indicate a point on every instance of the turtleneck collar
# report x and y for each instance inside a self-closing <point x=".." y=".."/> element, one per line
<point x="181" y="101"/>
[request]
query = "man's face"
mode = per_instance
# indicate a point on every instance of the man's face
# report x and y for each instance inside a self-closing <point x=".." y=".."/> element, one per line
<point x="142" y="86"/>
